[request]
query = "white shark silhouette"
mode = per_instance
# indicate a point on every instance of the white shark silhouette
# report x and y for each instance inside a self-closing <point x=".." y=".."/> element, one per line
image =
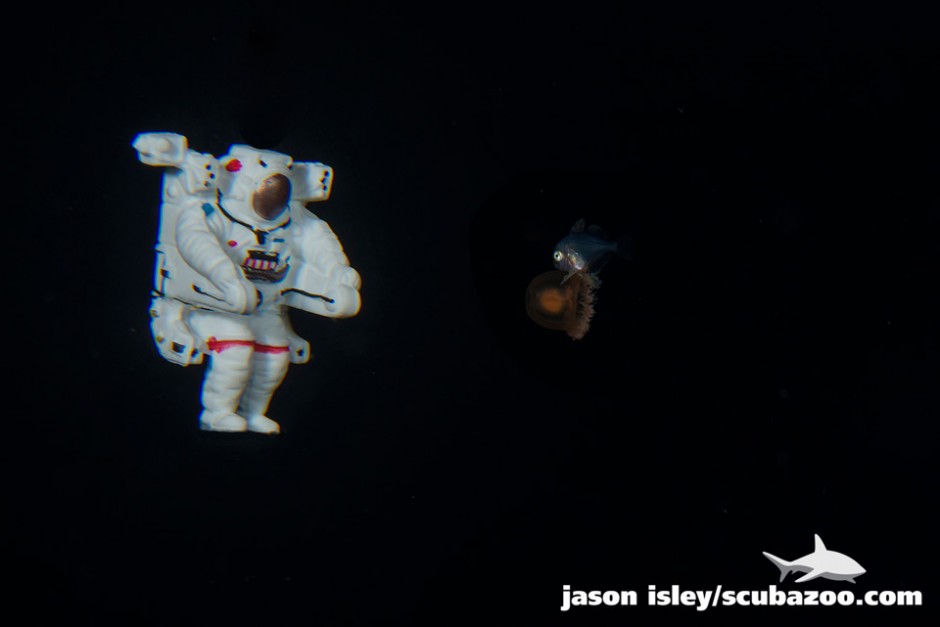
<point x="820" y="563"/>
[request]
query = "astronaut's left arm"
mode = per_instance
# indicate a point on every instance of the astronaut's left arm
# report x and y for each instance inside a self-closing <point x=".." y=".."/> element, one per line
<point x="322" y="282"/>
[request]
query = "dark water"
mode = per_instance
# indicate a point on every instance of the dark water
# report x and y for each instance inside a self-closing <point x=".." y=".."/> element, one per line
<point x="764" y="369"/>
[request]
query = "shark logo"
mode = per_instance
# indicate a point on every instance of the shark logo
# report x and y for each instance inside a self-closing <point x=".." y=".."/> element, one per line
<point x="820" y="563"/>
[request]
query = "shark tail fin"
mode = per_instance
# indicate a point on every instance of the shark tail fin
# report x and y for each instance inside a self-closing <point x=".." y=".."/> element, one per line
<point x="783" y="565"/>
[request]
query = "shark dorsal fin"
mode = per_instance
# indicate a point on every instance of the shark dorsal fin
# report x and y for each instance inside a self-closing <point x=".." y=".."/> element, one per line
<point x="819" y="544"/>
<point x="578" y="226"/>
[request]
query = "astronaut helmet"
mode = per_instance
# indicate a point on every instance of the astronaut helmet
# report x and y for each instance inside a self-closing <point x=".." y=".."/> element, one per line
<point x="256" y="184"/>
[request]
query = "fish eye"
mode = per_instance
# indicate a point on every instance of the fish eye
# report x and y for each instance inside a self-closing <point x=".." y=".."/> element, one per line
<point x="558" y="256"/>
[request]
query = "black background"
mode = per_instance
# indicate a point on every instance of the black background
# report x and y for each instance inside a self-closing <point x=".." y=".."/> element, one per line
<point x="765" y="368"/>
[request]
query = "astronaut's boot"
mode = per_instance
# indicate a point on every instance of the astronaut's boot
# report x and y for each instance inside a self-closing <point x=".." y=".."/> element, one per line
<point x="267" y="372"/>
<point x="228" y="373"/>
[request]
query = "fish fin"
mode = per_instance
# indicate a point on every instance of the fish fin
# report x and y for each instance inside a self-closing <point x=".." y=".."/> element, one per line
<point x="819" y="544"/>
<point x="567" y="276"/>
<point x="578" y="226"/>
<point x="598" y="265"/>
<point x="783" y="565"/>
<point x="810" y="575"/>
<point x="596" y="230"/>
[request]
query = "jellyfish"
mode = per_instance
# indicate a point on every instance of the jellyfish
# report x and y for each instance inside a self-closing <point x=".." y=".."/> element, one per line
<point x="559" y="306"/>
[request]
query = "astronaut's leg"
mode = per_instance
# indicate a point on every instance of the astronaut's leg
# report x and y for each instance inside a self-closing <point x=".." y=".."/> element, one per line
<point x="231" y="344"/>
<point x="268" y="368"/>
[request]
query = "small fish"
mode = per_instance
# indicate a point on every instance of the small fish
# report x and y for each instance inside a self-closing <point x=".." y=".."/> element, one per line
<point x="586" y="250"/>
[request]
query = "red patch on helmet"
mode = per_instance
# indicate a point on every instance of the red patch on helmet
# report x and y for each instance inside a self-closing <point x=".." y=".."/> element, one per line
<point x="234" y="165"/>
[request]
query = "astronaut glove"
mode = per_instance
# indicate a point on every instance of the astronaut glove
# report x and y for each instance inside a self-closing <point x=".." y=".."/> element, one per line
<point x="240" y="295"/>
<point x="346" y="275"/>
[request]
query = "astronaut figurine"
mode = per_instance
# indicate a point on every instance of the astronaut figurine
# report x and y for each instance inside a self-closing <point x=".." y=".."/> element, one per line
<point x="236" y="247"/>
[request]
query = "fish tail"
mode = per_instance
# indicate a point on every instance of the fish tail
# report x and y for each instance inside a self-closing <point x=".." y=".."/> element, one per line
<point x="624" y="247"/>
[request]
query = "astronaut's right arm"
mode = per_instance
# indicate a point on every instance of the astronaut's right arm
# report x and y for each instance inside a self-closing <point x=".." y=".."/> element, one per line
<point x="198" y="242"/>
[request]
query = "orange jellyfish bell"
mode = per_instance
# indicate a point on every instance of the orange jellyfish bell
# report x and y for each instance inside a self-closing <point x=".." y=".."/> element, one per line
<point x="566" y="306"/>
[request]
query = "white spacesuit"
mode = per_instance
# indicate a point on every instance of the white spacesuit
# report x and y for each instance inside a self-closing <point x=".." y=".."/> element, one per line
<point x="236" y="247"/>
